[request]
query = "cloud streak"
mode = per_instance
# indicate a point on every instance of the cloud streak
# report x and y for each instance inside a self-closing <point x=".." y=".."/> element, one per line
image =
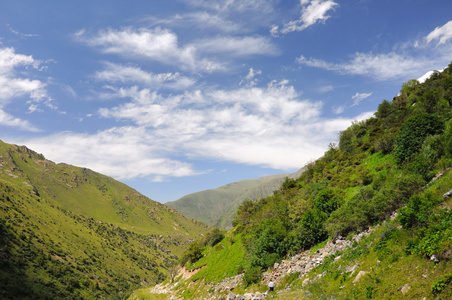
<point x="312" y="12"/>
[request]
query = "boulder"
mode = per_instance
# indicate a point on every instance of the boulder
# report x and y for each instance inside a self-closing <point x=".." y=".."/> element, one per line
<point x="404" y="289"/>
<point x="359" y="276"/>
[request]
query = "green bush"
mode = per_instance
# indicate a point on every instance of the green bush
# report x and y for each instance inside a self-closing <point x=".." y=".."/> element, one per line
<point x="417" y="211"/>
<point x="442" y="285"/>
<point x="327" y="200"/>
<point x="413" y="133"/>
<point x="252" y="275"/>
<point x="213" y="237"/>
<point x="192" y="254"/>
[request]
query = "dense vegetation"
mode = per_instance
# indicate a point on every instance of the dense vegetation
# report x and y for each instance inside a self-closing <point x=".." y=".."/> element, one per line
<point x="379" y="166"/>
<point x="68" y="232"/>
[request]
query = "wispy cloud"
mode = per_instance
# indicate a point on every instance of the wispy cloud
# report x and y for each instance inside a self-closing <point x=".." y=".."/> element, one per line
<point x="153" y="44"/>
<point x="162" y="45"/>
<point x="442" y="34"/>
<point x="379" y="66"/>
<point x="312" y="12"/>
<point x="358" y="97"/>
<point x="237" y="46"/>
<point x="116" y="73"/>
<point x="231" y="6"/>
<point x="201" y="20"/>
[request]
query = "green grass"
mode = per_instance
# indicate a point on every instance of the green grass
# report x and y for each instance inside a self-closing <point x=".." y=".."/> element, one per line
<point x="221" y="261"/>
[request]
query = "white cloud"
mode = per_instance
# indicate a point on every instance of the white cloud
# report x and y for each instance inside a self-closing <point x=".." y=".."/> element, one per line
<point x="274" y="30"/>
<point x="202" y="20"/>
<point x="338" y="110"/>
<point x="442" y="34"/>
<point x="358" y="97"/>
<point x="122" y="152"/>
<point x="115" y="73"/>
<point x="313" y="11"/>
<point x="154" y="44"/>
<point x="162" y="45"/>
<point x="13" y="87"/>
<point x="237" y="46"/>
<point x="268" y="126"/>
<point x="326" y="88"/>
<point x="231" y="6"/>
<point x="379" y="66"/>
<point x="8" y="120"/>
<point x="250" y="79"/>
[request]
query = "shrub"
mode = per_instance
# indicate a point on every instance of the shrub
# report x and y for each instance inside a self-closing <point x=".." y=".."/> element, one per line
<point x="252" y="275"/>
<point x="213" y="237"/>
<point x="413" y="133"/>
<point x="192" y="254"/>
<point x="327" y="200"/>
<point x="439" y="286"/>
<point x="417" y="211"/>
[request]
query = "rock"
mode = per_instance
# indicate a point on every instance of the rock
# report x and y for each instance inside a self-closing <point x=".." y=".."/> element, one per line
<point x="305" y="282"/>
<point x="424" y="276"/>
<point x="433" y="258"/>
<point x="405" y="288"/>
<point x="308" y="294"/>
<point x="275" y="266"/>
<point x="359" y="276"/>
<point x="351" y="269"/>
<point x="447" y="195"/>
<point x="231" y="296"/>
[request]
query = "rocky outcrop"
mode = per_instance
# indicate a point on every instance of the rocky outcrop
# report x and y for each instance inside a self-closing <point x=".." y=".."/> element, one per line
<point x="304" y="262"/>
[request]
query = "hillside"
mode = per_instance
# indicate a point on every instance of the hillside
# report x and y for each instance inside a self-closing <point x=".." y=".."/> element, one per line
<point x="384" y="192"/>
<point x="69" y="232"/>
<point x="217" y="207"/>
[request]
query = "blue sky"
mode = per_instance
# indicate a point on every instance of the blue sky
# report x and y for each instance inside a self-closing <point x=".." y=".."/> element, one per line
<point x="177" y="96"/>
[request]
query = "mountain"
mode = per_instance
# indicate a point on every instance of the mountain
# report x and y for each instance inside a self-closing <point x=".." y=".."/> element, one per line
<point x="69" y="232"/>
<point x="217" y="207"/>
<point x="370" y="219"/>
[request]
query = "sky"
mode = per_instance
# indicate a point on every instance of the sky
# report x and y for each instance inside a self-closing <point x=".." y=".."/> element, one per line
<point x="178" y="96"/>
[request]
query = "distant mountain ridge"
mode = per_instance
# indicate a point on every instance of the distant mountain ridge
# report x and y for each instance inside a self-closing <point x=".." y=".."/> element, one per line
<point x="69" y="232"/>
<point x="216" y="207"/>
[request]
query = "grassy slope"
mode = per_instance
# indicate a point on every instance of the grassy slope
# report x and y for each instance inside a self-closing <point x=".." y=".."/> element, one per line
<point x="70" y="231"/>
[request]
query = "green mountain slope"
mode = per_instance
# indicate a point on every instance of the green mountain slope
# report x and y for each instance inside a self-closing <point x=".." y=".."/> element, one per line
<point x="69" y="232"/>
<point x="217" y="207"/>
<point x="391" y="173"/>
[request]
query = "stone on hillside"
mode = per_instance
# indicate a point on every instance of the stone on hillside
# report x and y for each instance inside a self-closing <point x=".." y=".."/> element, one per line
<point x="231" y="296"/>
<point x="405" y="288"/>
<point x="359" y="276"/>
<point x="275" y="266"/>
<point x="351" y="269"/>
<point x="447" y="195"/>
